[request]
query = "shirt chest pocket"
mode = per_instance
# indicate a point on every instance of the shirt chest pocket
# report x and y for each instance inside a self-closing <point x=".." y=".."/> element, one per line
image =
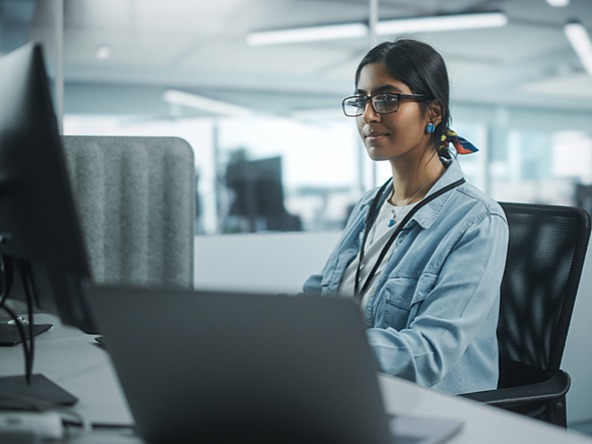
<point x="403" y="298"/>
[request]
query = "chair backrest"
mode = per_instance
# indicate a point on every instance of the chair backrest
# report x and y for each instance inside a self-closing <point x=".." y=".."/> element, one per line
<point x="546" y="253"/>
<point x="136" y="201"/>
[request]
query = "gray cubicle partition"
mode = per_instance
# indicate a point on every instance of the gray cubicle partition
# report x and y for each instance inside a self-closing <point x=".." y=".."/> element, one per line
<point x="136" y="201"/>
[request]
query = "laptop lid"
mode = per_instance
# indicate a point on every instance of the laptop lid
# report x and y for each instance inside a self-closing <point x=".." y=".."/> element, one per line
<point x="206" y="366"/>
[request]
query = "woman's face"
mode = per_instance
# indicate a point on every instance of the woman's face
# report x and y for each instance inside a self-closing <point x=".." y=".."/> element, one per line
<point x="390" y="136"/>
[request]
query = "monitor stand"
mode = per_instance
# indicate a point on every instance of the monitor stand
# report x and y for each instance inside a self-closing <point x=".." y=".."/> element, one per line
<point x="25" y="395"/>
<point x="9" y="333"/>
<point x="26" y="392"/>
<point x="22" y="395"/>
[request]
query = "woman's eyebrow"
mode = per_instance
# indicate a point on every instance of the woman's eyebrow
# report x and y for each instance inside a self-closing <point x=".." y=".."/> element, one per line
<point x="387" y="88"/>
<point x="380" y="89"/>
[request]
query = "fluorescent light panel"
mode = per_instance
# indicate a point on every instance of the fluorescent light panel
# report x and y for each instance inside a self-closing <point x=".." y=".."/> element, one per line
<point x="580" y="40"/>
<point x="201" y="103"/>
<point x="308" y="34"/>
<point x="558" y="3"/>
<point x="442" y="23"/>
<point x="395" y="26"/>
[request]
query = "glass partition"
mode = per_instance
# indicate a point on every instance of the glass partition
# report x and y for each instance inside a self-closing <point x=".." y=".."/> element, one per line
<point x="265" y="121"/>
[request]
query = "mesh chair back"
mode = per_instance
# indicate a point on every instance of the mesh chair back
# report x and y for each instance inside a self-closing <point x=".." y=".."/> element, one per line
<point x="136" y="201"/>
<point x="546" y="254"/>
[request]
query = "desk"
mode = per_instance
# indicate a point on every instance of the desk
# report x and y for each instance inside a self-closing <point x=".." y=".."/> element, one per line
<point x="72" y="360"/>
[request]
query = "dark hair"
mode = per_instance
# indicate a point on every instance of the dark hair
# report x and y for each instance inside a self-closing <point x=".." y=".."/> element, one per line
<point x="420" y="67"/>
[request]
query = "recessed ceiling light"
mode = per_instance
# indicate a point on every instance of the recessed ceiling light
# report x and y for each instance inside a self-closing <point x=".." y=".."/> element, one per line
<point x="103" y="52"/>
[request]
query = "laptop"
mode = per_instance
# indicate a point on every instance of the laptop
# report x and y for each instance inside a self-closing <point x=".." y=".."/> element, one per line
<point x="212" y="366"/>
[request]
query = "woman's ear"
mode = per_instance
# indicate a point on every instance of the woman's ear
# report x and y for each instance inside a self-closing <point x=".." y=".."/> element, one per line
<point x="434" y="112"/>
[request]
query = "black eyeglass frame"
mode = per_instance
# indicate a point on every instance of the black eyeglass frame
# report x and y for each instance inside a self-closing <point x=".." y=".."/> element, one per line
<point x="370" y="98"/>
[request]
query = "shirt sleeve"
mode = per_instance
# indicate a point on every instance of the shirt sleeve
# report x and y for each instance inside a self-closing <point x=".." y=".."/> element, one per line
<point x="313" y="285"/>
<point x="452" y="315"/>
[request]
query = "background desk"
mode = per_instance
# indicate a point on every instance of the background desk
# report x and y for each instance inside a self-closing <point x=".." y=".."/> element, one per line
<point x="72" y="360"/>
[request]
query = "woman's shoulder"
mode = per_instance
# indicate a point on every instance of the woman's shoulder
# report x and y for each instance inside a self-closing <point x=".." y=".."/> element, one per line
<point x="470" y="196"/>
<point x="475" y="196"/>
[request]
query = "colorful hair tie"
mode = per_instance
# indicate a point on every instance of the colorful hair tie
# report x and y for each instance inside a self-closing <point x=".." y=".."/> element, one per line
<point x="462" y="145"/>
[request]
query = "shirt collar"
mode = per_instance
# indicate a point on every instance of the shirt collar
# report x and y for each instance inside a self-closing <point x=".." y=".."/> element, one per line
<point x="428" y="214"/>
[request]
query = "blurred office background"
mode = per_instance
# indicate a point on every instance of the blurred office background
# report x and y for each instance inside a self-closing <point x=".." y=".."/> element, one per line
<point x="264" y="116"/>
<point x="274" y="154"/>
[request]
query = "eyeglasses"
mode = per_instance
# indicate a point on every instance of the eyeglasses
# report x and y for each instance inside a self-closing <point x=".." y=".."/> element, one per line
<point x="384" y="103"/>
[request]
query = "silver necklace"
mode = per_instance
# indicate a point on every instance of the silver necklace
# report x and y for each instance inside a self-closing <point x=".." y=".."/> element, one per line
<point x="393" y="219"/>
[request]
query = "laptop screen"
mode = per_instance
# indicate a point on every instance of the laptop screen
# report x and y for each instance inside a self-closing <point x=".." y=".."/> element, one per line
<point x="214" y="367"/>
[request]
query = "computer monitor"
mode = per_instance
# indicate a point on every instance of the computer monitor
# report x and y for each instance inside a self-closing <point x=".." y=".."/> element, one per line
<point x="38" y="219"/>
<point x="40" y="234"/>
<point x="259" y="194"/>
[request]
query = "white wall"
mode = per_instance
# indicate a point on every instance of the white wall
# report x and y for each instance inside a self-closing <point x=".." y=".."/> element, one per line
<point x="262" y="261"/>
<point x="282" y="262"/>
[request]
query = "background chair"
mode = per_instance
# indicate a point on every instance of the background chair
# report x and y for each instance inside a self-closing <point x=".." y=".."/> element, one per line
<point x="546" y="254"/>
<point x="136" y="201"/>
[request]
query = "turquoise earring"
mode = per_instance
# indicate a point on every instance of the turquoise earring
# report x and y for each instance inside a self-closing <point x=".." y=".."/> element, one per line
<point x="430" y="128"/>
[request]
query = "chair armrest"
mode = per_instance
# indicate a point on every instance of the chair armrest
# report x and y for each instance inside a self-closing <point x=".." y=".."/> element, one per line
<point x="552" y="388"/>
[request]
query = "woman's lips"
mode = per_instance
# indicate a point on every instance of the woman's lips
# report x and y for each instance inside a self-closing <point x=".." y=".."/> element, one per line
<point x="375" y="136"/>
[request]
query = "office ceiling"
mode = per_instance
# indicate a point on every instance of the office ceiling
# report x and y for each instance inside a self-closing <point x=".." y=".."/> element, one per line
<point x="200" y="46"/>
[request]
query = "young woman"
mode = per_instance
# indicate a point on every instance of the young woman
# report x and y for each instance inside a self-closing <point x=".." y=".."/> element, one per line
<point x="425" y="253"/>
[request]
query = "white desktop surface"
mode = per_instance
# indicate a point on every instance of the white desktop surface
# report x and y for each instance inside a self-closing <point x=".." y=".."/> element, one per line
<point x="72" y="360"/>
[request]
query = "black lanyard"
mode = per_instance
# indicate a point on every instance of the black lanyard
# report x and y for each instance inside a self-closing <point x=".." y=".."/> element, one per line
<point x="373" y="214"/>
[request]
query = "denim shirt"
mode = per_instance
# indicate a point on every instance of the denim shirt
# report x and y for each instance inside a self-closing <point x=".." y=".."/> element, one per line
<point x="432" y="315"/>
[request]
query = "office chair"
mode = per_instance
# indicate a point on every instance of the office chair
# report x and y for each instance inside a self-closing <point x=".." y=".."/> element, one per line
<point x="135" y="197"/>
<point x="546" y="252"/>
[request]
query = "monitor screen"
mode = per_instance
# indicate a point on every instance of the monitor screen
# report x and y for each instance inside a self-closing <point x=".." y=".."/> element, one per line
<point x="258" y="195"/>
<point x="258" y="187"/>
<point x="39" y="228"/>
